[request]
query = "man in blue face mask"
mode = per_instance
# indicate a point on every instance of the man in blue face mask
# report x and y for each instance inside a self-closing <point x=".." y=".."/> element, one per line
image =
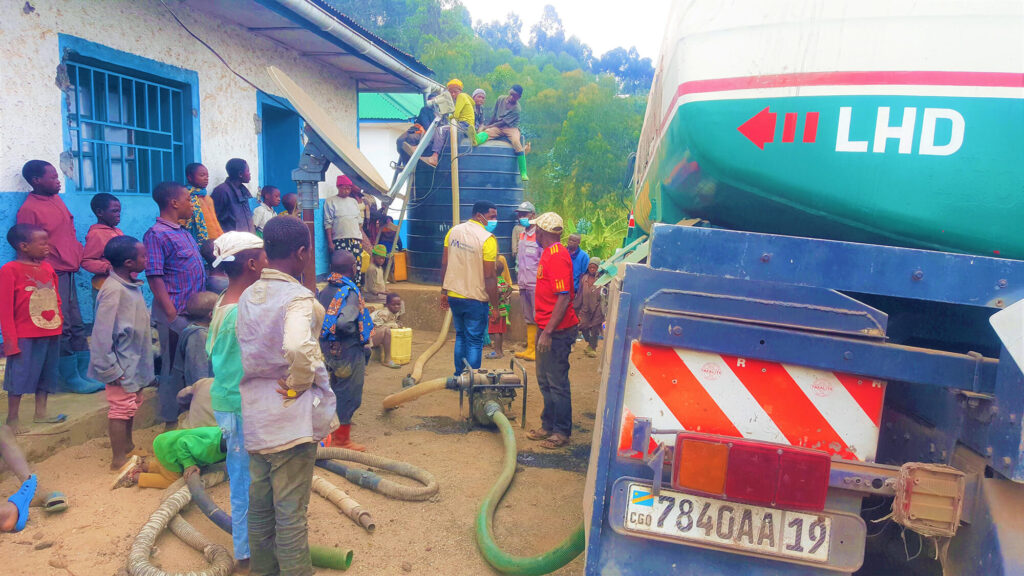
<point x="470" y="282"/>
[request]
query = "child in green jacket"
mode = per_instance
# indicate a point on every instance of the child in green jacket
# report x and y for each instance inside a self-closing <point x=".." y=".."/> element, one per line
<point x="178" y="452"/>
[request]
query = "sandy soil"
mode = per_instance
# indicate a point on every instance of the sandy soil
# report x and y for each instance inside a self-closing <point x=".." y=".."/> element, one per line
<point x="435" y="537"/>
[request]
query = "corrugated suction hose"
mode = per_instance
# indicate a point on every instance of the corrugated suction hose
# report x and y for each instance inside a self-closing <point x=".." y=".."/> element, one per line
<point x="326" y="457"/>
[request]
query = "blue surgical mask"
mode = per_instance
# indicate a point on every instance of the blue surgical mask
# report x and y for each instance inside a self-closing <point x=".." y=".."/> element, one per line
<point x="491" y="225"/>
<point x="524" y="221"/>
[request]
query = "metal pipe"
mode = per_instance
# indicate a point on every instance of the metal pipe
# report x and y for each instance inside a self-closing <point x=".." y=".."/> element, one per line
<point x="453" y="139"/>
<point x="329" y="24"/>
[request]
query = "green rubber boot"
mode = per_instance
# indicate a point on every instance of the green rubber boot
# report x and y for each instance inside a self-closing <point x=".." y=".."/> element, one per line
<point x="522" y="167"/>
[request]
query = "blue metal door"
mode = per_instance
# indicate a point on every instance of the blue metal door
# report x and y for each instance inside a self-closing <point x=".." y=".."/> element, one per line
<point x="280" y="145"/>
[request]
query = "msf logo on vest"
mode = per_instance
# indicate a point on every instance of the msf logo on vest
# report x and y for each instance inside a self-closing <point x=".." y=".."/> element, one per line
<point x="902" y="132"/>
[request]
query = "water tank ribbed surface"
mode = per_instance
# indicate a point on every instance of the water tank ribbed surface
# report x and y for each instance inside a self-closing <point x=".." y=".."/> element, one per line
<point x="487" y="172"/>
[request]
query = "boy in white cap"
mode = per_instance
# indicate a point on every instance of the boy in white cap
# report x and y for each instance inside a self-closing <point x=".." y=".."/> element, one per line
<point x="240" y="255"/>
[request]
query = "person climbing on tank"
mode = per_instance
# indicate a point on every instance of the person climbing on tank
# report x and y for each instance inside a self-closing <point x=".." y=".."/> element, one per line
<point x="504" y="123"/>
<point x="346" y="331"/>
<point x="464" y="118"/>
<point x="14" y="511"/>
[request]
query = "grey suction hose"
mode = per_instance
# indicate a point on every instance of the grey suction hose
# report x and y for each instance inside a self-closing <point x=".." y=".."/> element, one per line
<point x="177" y="497"/>
<point x="212" y="511"/>
<point x="322" y="556"/>
<point x="326" y="457"/>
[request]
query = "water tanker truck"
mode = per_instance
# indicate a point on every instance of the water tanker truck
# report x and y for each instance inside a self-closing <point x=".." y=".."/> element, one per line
<point x="813" y="359"/>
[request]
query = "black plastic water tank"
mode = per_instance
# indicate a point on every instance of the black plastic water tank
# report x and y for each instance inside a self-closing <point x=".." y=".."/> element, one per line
<point x="486" y="172"/>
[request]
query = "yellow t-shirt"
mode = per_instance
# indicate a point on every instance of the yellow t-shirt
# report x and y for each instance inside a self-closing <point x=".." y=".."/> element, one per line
<point x="465" y="111"/>
<point x="490" y="252"/>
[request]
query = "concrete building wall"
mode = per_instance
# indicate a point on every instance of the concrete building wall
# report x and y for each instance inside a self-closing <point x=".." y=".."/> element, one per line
<point x="377" y="142"/>
<point x="140" y="35"/>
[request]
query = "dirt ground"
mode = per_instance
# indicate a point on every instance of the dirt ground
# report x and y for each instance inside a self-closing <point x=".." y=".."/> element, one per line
<point x="434" y="537"/>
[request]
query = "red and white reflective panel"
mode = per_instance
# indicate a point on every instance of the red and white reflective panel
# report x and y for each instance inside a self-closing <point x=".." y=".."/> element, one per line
<point x="696" y="391"/>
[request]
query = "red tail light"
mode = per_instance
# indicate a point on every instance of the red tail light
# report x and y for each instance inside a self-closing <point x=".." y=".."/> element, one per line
<point x="749" y="471"/>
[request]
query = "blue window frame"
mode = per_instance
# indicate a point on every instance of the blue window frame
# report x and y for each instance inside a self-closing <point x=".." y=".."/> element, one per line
<point x="127" y="132"/>
<point x="129" y="122"/>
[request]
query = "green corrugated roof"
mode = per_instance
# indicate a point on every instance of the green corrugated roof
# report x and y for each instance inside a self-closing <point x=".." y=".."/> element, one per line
<point x="380" y="106"/>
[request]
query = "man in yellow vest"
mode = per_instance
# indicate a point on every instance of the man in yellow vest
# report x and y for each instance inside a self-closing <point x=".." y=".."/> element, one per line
<point x="470" y="283"/>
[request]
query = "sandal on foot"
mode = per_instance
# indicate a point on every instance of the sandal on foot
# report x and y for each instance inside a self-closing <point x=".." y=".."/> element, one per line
<point x="125" y="477"/>
<point x="51" y="419"/>
<point x="21" y="500"/>
<point x="55" y="502"/>
<point x="391" y="364"/>
<point x="541" y="434"/>
<point x="494" y="356"/>
<point x="554" y="442"/>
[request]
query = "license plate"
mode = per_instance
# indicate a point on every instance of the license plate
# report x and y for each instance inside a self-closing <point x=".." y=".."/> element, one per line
<point x="803" y="537"/>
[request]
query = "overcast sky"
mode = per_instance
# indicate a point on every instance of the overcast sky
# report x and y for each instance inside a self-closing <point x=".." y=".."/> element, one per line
<point x="601" y="24"/>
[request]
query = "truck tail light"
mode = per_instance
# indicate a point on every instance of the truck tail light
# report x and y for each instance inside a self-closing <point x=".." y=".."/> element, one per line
<point x="761" y="473"/>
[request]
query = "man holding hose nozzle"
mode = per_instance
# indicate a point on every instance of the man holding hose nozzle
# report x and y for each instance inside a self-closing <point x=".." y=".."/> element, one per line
<point x="557" y="323"/>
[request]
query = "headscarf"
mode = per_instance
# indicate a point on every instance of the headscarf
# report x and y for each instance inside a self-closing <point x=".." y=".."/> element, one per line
<point x="479" y="91"/>
<point x="455" y="82"/>
<point x="233" y="242"/>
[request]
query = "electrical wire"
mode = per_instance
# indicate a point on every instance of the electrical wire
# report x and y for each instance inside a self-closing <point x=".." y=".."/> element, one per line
<point x="219" y="57"/>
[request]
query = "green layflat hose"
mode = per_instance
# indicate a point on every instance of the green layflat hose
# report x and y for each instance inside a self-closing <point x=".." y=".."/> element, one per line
<point x="503" y="562"/>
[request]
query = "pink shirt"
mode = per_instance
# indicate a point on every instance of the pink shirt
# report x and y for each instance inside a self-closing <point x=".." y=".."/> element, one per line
<point x="95" y="241"/>
<point x="50" y="214"/>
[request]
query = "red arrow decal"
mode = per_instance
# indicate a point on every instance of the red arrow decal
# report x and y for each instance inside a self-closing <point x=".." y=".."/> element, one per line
<point x="760" y="129"/>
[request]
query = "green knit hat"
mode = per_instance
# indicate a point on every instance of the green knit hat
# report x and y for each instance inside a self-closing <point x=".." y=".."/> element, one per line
<point x="380" y="250"/>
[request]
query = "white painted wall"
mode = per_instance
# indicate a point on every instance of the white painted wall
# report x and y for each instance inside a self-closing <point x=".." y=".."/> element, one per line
<point x="377" y="143"/>
<point x="30" y="102"/>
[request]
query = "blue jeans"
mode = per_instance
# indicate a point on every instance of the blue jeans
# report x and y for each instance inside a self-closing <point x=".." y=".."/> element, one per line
<point x="238" y="479"/>
<point x="470" y="320"/>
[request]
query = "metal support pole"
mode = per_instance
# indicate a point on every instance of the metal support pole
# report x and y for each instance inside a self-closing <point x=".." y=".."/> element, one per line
<point x="453" y="137"/>
<point x="308" y="176"/>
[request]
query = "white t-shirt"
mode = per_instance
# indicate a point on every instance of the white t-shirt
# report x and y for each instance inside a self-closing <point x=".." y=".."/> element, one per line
<point x="343" y="217"/>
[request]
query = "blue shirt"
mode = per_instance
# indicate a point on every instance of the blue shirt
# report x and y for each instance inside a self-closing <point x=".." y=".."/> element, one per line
<point x="580" y="262"/>
<point x="174" y="255"/>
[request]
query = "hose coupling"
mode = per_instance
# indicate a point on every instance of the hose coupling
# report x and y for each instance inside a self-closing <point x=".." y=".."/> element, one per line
<point x="491" y="407"/>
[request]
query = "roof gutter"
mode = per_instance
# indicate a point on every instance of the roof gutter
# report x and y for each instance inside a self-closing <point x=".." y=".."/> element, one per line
<point x="324" y="21"/>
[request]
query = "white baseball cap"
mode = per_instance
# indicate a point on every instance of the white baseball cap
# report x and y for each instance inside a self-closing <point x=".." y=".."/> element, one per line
<point x="549" y="222"/>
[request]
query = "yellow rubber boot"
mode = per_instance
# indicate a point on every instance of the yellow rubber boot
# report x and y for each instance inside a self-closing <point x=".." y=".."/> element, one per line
<point x="531" y="344"/>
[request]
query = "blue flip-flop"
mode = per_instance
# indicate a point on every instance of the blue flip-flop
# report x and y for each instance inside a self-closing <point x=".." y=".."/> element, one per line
<point x="21" y="500"/>
<point x="59" y="418"/>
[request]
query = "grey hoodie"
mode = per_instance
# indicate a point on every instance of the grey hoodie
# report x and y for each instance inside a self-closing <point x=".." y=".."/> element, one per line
<point x="121" y="343"/>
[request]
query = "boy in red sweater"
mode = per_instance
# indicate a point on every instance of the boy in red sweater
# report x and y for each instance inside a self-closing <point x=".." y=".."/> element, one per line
<point x="31" y="323"/>
<point x="107" y="209"/>
<point x="44" y="208"/>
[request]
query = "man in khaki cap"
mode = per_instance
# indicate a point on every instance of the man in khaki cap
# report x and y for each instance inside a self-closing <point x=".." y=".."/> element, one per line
<point x="558" y="324"/>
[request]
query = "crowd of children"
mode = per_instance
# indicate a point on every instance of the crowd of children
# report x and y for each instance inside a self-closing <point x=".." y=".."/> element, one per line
<point x="265" y="368"/>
